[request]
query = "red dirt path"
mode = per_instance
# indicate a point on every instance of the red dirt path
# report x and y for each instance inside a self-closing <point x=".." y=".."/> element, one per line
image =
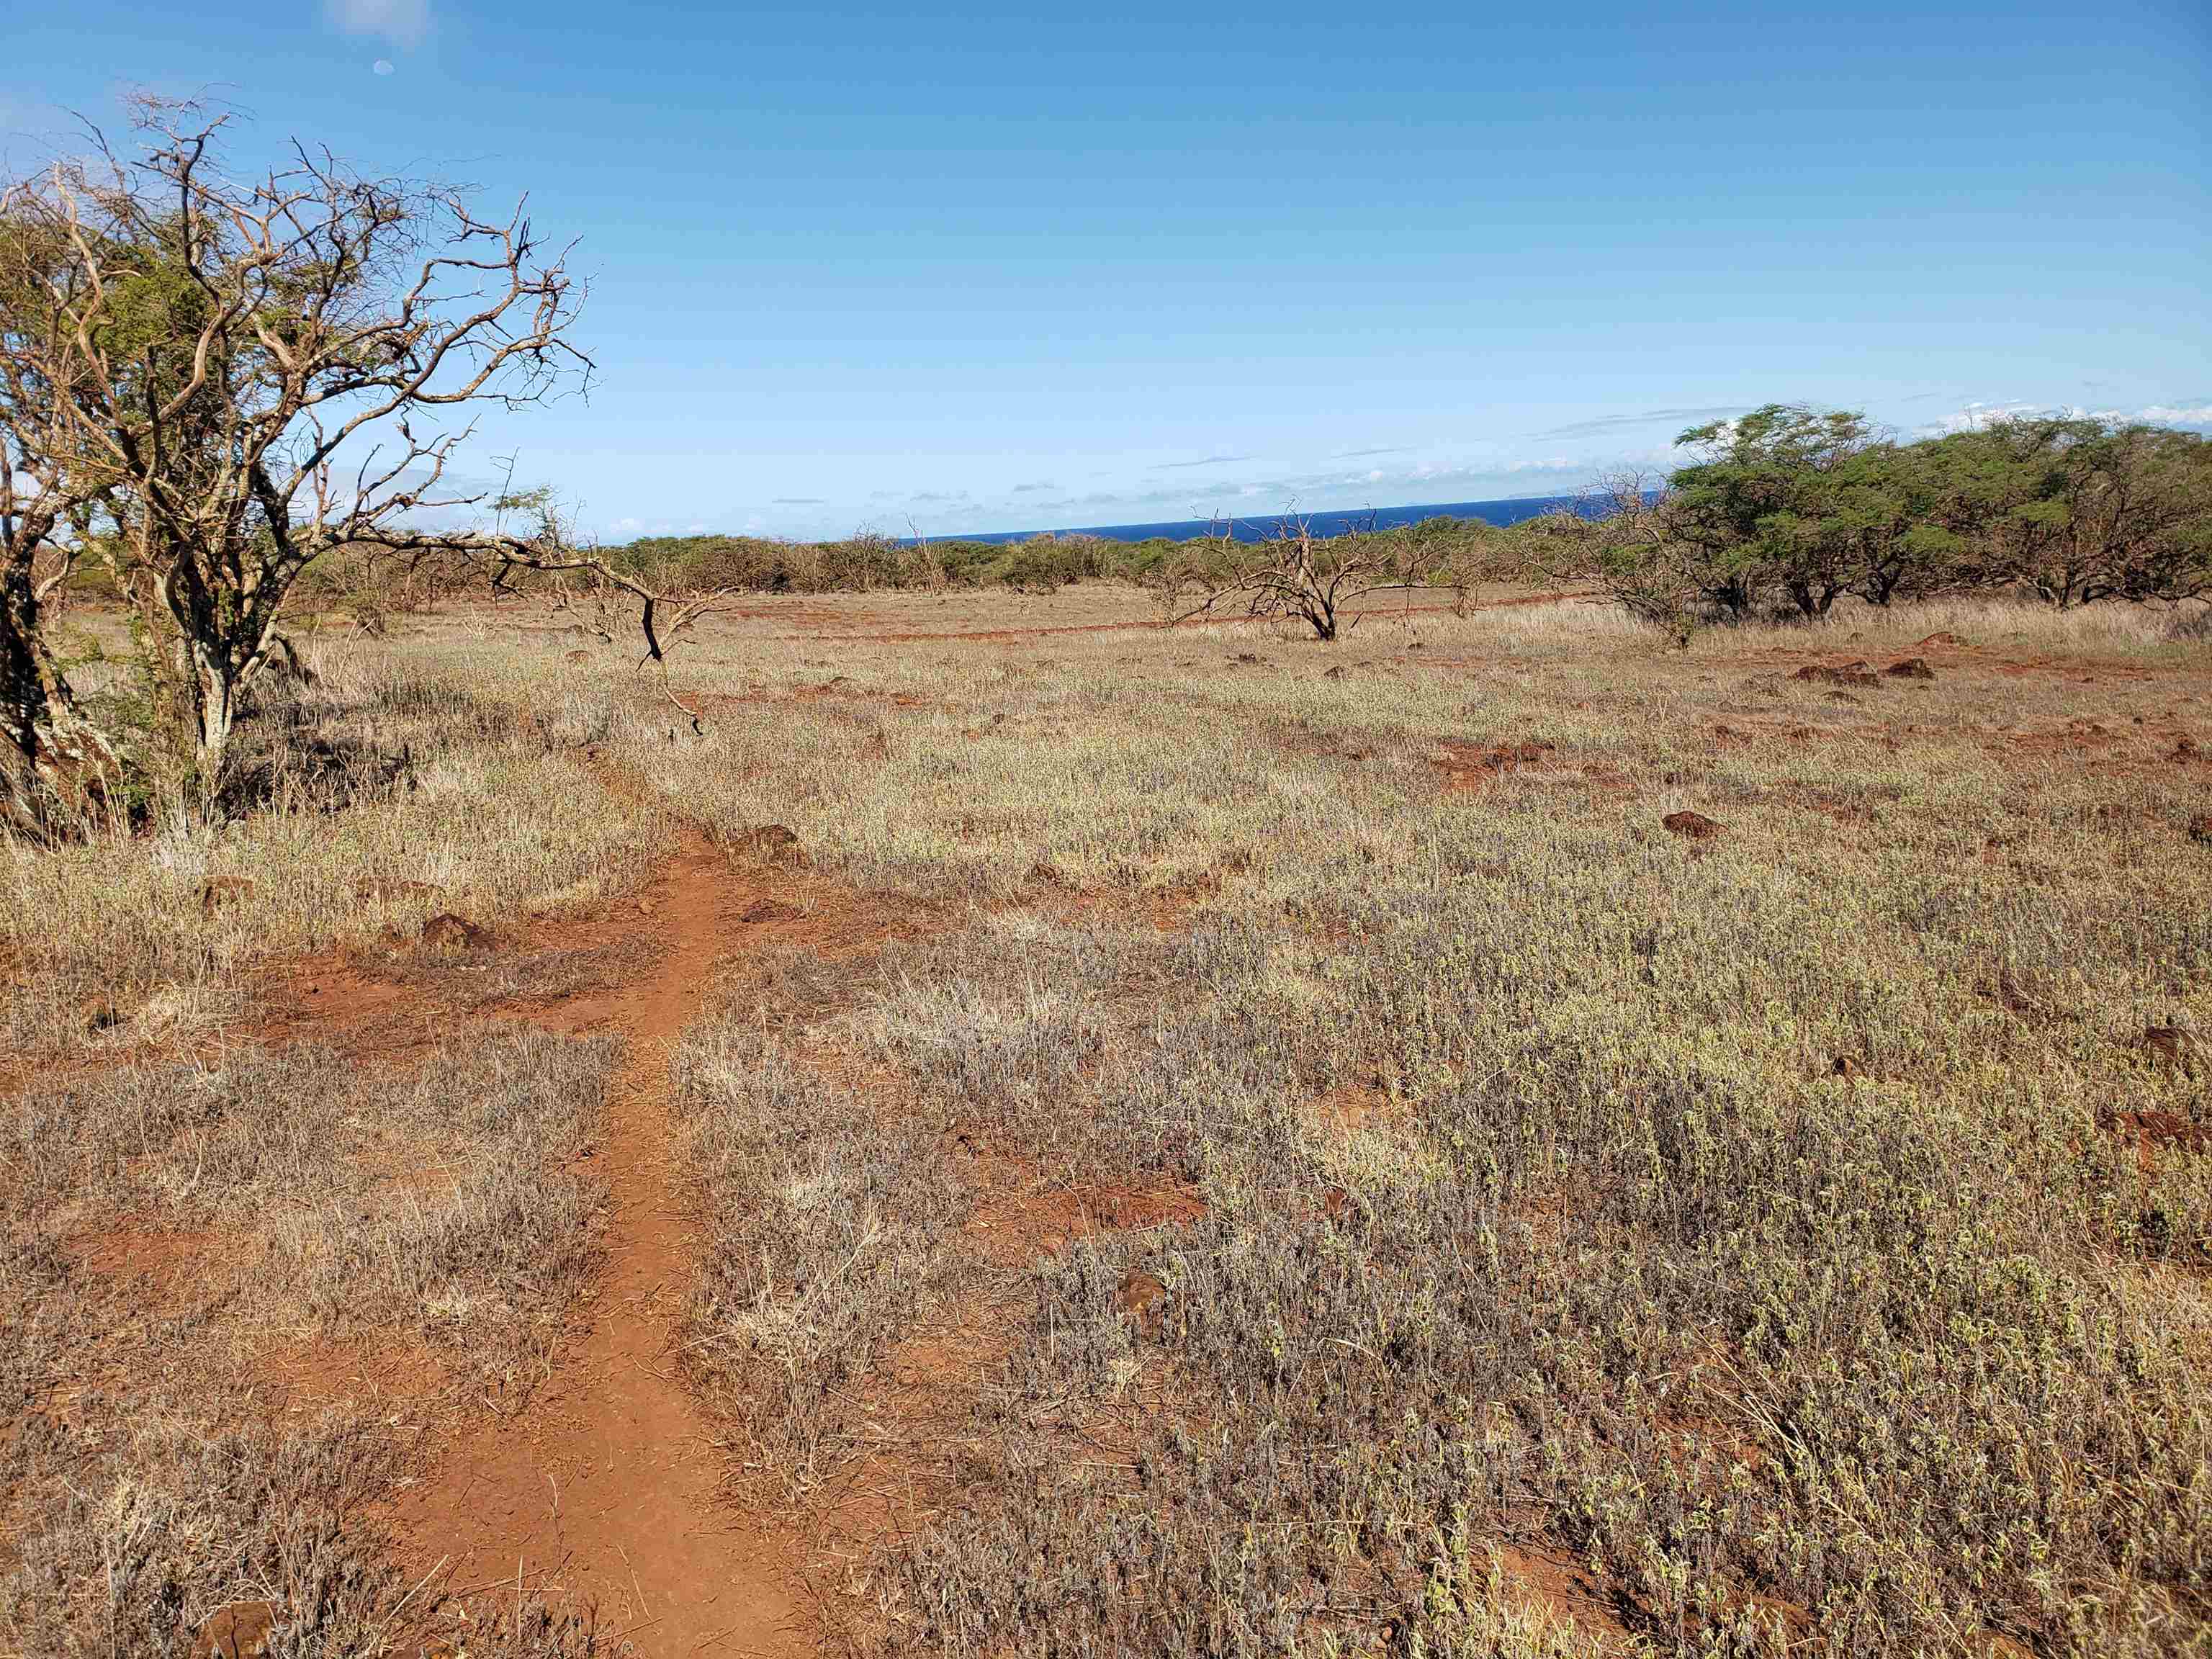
<point x="605" y="1487"/>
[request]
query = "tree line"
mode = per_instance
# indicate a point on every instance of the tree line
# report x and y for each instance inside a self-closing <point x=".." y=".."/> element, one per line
<point x="1786" y="510"/>
<point x="1779" y="513"/>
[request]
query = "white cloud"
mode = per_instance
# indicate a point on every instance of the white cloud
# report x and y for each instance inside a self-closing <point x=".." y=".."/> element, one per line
<point x="2177" y="414"/>
<point x="403" y="22"/>
<point x="382" y="66"/>
<point x="1978" y="414"/>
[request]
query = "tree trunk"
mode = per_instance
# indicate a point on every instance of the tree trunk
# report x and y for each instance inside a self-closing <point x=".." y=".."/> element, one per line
<point x="23" y="706"/>
<point x="54" y="763"/>
<point x="215" y="713"/>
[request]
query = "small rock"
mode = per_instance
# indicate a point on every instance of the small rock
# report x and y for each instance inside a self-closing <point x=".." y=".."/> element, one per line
<point x="2186" y="750"/>
<point x="1335" y="674"/>
<point x="448" y="932"/>
<point x="1909" y="668"/>
<point x="577" y="656"/>
<point x="1691" y="826"/>
<point x="2200" y="827"/>
<point x="1138" y="1295"/>
<point x="239" y="1630"/>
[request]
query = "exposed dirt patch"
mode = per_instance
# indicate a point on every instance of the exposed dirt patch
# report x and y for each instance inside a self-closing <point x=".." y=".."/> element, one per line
<point x="161" y="1254"/>
<point x="2152" y="1131"/>
<point x="1014" y="1225"/>
<point x="240" y="1631"/>
<point x="1560" y="1585"/>
<point x="1692" y="826"/>
<point x="1350" y="1108"/>
<point x="1850" y="673"/>
<point x="1474" y="766"/>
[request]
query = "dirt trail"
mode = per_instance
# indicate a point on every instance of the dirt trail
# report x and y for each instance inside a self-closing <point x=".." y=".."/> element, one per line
<point x="605" y="1488"/>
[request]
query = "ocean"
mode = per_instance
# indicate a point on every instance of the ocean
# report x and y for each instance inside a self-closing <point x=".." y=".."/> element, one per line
<point x="1264" y="525"/>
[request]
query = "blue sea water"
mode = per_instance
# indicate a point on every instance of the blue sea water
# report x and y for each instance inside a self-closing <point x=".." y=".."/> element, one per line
<point x="1323" y="524"/>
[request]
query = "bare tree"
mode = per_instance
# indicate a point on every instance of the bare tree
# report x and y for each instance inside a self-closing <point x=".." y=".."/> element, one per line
<point x="1293" y="573"/>
<point x="209" y="381"/>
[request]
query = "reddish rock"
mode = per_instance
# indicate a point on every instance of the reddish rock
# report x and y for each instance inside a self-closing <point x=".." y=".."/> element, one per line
<point x="240" y="1631"/>
<point x="1138" y="1297"/>
<point x="1691" y="826"/>
<point x="448" y="932"/>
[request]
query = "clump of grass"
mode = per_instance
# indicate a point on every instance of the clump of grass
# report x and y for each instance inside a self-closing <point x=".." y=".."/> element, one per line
<point x="829" y="1220"/>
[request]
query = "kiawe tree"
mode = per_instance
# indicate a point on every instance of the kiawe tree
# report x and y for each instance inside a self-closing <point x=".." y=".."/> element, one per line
<point x="207" y="381"/>
<point x="2078" y="508"/>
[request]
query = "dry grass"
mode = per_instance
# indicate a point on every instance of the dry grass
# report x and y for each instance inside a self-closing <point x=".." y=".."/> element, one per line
<point x="185" y="1249"/>
<point x="398" y="786"/>
<point x="1905" y="1358"/>
<point x="1781" y="1240"/>
<point x="829" y="1221"/>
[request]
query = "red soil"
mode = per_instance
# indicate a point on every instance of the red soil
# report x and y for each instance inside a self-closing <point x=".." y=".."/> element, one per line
<point x="605" y="1487"/>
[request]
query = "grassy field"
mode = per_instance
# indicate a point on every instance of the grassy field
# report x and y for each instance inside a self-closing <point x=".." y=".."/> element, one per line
<point x="1499" y="1136"/>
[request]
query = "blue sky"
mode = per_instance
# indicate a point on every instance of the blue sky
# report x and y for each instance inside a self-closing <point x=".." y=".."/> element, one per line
<point x="999" y="267"/>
